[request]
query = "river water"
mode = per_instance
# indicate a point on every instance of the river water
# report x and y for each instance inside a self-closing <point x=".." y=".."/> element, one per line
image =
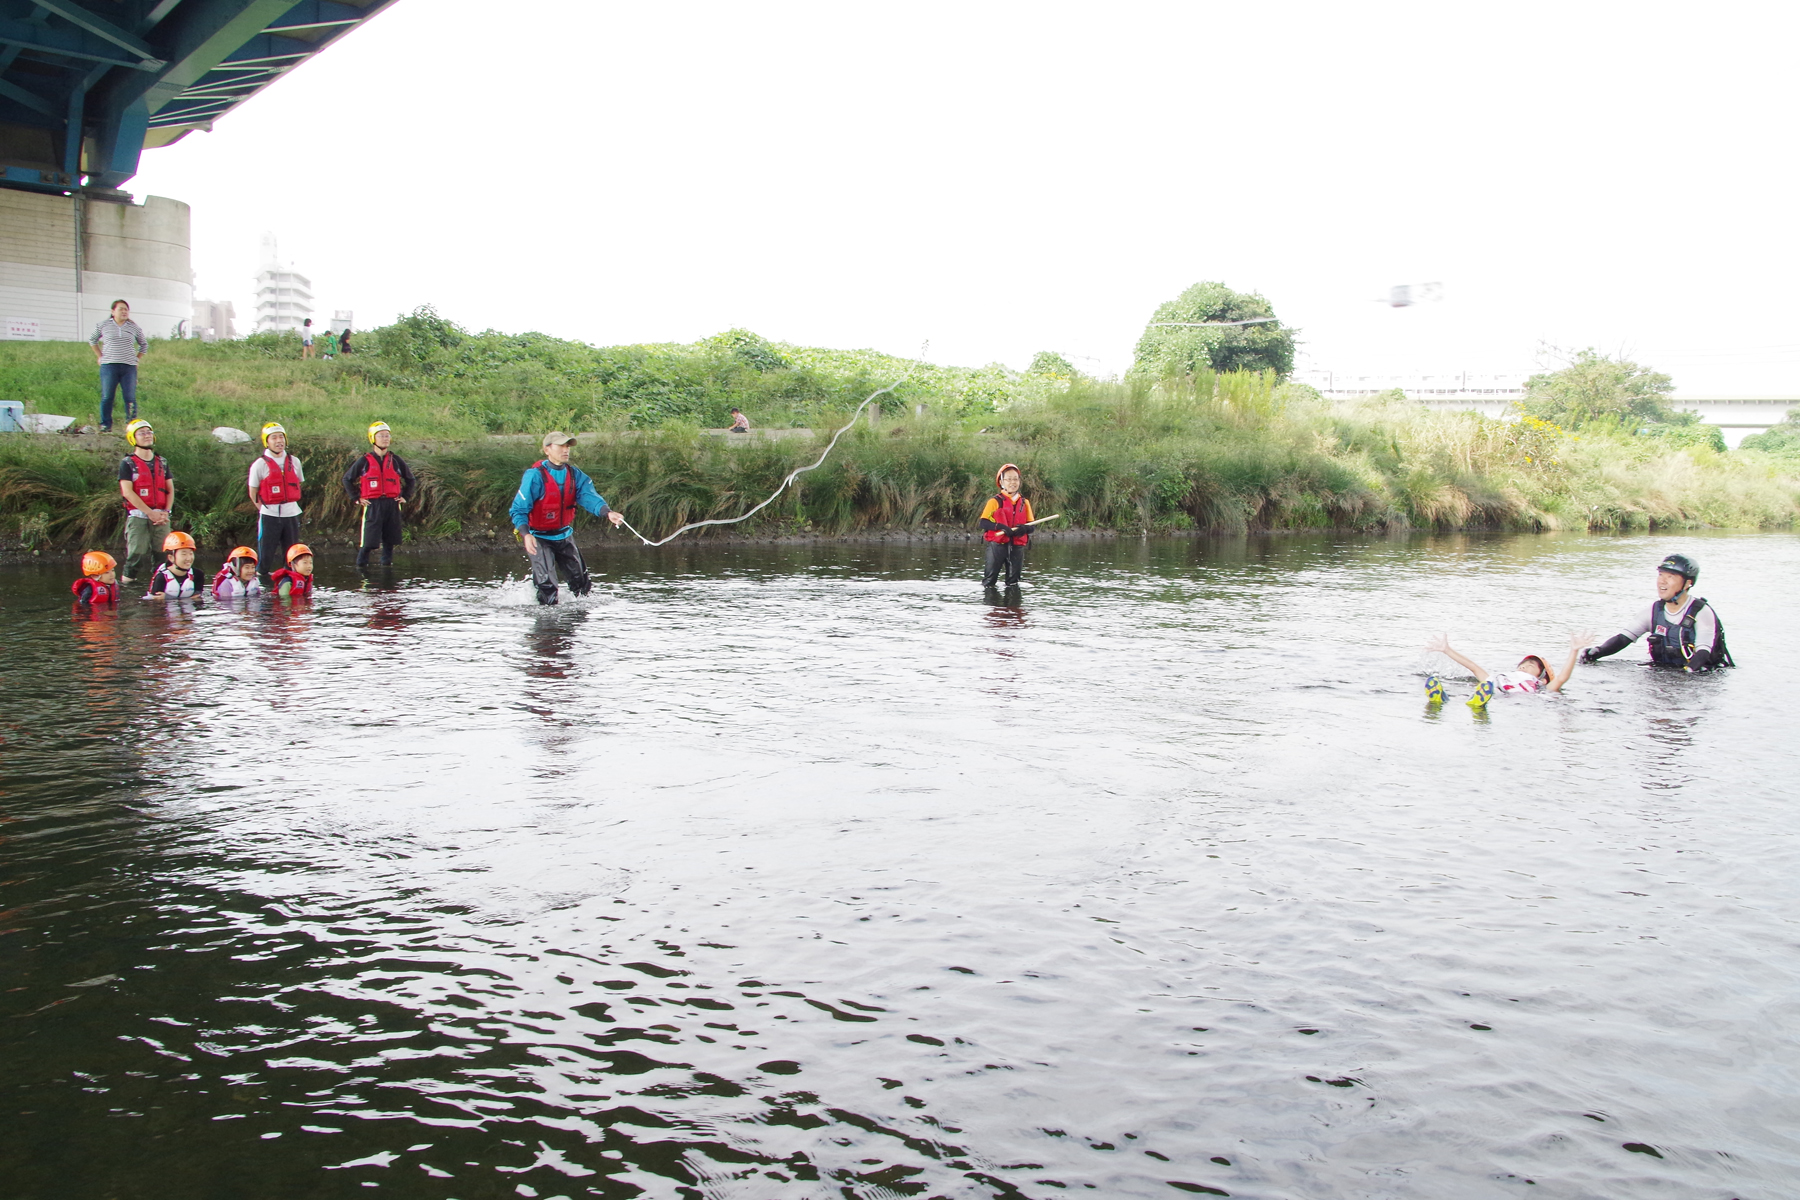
<point x="771" y="873"/>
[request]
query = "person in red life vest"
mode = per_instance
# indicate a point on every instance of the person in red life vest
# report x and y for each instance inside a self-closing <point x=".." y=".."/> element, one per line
<point x="1005" y="521"/>
<point x="295" y="579"/>
<point x="149" y="492"/>
<point x="237" y="578"/>
<point x="176" y="578"/>
<point x="275" y="480"/>
<point x="380" y="482"/>
<point x="543" y="512"/>
<point x="99" y="582"/>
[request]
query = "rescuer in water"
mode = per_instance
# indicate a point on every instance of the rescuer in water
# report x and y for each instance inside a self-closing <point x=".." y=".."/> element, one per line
<point x="543" y="513"/>
<point x="175" y="578"/>
<point x="295" y="579"/>
<point x="1684" y="630"/>
<point x="238" y="576"/>
<point x="274" y="483"/>
<point x="99" y="582"/>
<point x="149" y="492"/>
<point x="1533" y="673"/>
<point x="380" y="482"/>
<point x="1005" y="521"/>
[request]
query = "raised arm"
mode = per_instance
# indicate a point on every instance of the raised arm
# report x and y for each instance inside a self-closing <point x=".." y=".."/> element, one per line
<point x="1577" y="643"/>
<point x="1441" y="644"/>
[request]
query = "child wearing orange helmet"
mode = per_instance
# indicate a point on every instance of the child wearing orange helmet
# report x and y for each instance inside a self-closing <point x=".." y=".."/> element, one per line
<point x="295" y="579"/>
<point x="237" y="578"/>
<point x="175" y="578"/>
<point x="99" y="582"/>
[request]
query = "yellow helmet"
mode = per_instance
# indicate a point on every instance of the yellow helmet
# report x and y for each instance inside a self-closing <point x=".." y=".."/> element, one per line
<point x="271" y="427"/>
<point x="132" y="427"/>
<point x="376" y="428"/>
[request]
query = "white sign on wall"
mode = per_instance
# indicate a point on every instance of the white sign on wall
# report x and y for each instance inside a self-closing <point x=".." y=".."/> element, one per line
<point x="21" y="329"/>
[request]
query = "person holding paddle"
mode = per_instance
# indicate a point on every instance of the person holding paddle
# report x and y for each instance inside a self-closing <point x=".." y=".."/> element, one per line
<point x="1006" y="525"/>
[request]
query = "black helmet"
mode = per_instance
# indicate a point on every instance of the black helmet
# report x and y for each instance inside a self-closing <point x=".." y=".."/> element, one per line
<point x="1682" y="565"/>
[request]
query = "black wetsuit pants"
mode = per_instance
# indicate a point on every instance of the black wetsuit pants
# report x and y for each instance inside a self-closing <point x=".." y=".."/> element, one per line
<point x="552" y="555"/>
<point x="380" y="527"/>
<point x="999" y="555"/>
<point x="273" y="537"/>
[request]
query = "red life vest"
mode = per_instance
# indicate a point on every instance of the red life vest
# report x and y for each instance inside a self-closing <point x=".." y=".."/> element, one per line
<point x="282" y="484"/>
<point x="1010" y="511"/>
<point x="555" y="509"/>
<point x="380" y="477"/>
<point x="302" y="584"/>
<point x="99" y="593"/>
<point x="150" y="480"/>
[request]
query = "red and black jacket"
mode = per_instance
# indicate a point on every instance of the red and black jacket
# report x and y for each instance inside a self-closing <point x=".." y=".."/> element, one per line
<point x="302" y="585"/>
<point x="92" y="591"/>
<point x="1007" y="512"/>
<point x="150" y="480"/>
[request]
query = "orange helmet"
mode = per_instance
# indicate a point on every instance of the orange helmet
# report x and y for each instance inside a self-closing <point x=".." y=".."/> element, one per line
<point x="97" y="562"/>
<point x="179" y="541"/>
<point x="241" y="552"/>
<point x="1004" y="468"/>
<point x="296" y="550"/>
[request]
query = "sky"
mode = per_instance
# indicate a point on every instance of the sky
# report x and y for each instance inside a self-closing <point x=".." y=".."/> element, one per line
<point x="996" y="179"/>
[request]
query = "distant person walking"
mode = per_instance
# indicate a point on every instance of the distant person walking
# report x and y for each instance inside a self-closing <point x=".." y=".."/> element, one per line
<point x="275" y="479"/>
<point x="149" y="492"/>
<point x="344" y="341"/>
<point x="119" y="347"/>
<point x="380" y="482"/>
<point x="331" y="344"/>
<point x="306" y="338"/>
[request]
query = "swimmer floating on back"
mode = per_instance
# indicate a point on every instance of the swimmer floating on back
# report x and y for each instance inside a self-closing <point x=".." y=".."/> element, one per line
<point x="1533" y="675"/>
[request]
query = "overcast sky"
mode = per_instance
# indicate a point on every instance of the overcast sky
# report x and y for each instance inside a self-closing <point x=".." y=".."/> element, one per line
<point x="1001" y="178"/>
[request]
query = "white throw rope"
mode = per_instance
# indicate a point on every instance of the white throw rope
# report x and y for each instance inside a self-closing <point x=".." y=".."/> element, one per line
<point x="797" y="471"/>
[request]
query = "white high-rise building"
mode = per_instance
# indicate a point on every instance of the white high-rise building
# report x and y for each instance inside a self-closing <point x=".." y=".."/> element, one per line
<point x="283" y="295"/>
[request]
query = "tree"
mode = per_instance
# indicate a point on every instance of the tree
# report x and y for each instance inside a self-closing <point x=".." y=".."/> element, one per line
<point x="1595" y="389"/>
<point x="1182" y="349"/>
<point x="1780" y="439"/>
<point x="1049" y="362"/>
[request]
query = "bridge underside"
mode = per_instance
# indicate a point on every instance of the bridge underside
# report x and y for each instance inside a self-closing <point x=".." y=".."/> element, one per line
<point x="87" y="85"/>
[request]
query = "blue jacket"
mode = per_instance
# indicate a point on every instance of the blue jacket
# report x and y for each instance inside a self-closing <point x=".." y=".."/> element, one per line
<point x="531" y="490"/>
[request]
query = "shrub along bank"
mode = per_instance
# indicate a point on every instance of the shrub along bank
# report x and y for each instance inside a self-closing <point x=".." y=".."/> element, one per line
<point x="1227" y="453"/>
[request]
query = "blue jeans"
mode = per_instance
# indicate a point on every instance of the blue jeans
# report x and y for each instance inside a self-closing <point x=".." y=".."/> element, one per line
<point x="117" y="377"/>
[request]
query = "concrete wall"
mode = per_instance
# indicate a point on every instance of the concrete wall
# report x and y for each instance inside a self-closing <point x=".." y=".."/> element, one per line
<point x="132" y="252"/>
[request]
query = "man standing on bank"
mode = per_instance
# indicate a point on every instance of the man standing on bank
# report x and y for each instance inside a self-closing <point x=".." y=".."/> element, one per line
<point x="1684" y="630"/>
<point x="149" y="492"/>
<point x="543" y="512"/>
<point x="119" y="347"/>
<point x="275" y="480"/>
<point x="380" y="482"/>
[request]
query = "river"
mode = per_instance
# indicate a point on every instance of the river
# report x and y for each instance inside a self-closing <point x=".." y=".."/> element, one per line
<point x="795" y="872"/>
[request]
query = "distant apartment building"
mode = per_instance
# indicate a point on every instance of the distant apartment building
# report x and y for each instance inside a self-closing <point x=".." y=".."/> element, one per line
<point x="214" y="320"/>
<point x="283" y="296"/>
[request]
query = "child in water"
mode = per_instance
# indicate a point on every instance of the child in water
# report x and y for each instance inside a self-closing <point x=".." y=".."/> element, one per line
<point x="175" y="578"/>
<point x="99" y="582"/>
<point x="238" y="576"/>
<point x="1006" y="525"/>
<point x="1533" y="675"/>
<point x="295" y="579"/>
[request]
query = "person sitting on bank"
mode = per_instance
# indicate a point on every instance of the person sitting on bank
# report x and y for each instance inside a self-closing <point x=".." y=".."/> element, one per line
<point x="1684" y="630"/>
<point x="380" y="482"/>
<point x="275" y="480"/>
<point x="543" y="512"/>
<point x="1533" y="673"/>
<point x="739" y="422"/>
<point x="149" y="492"/>
<point x="119" y="347"/>
<point x="1005" y="523"/>
<point x="99" y="582"/>
<point x="237" y="578"/>
<point x="295" y="579"/>
<point x="175" y="577"/>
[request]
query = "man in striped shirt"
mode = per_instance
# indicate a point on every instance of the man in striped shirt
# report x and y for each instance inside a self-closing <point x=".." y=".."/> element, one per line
<point x="119" y="346"/>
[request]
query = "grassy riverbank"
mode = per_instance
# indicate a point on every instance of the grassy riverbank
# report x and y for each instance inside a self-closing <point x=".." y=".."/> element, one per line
<point x="1229" y="453"/>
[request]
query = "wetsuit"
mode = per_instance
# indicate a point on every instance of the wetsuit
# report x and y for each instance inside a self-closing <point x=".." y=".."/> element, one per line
<point x="1004" y="522"/>
<point x="385" y="481"/>
<point x="545" y="508"/>
<point x="1692" y="637"/>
